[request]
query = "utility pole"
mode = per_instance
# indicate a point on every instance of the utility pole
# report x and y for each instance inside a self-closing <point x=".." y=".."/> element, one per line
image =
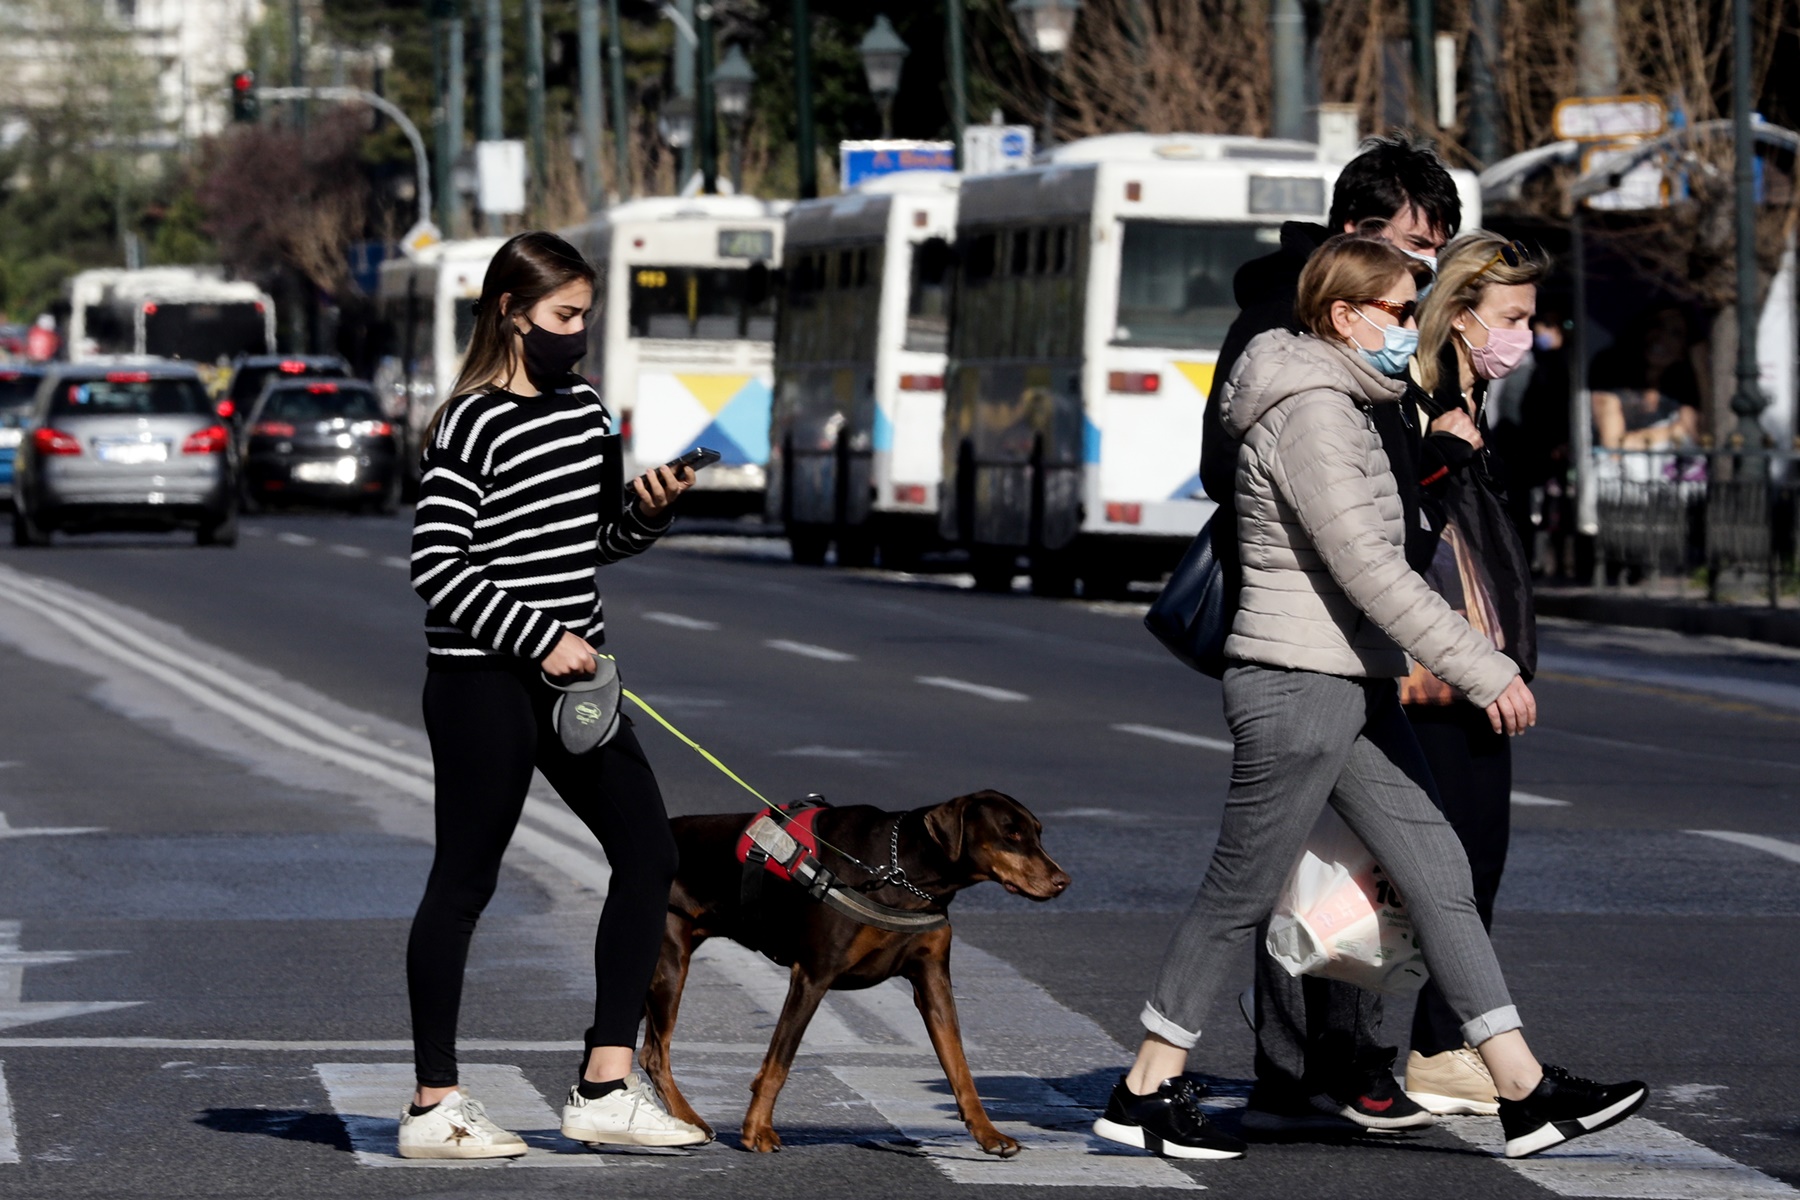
<point x="442" y="13"/>
<point x="296" y="59"/>
<point x="453" y="115"/>
<point x="1748" y="402"/>
<point x="684" y="86"/>
<point x="706" y="119"/>
<point x="493" y="64"/>
<point x="589" y="51"/>
<point x="1287" y="53"/>
<point x="534" y="106"/>
<point x="1597" y="48"/>
<point x="959" y="74"/>
<point x="615" y="54"/>
<point x="1484" y="92"/>
<point x="803" y="103"/>
<point x="1424" y="48"/>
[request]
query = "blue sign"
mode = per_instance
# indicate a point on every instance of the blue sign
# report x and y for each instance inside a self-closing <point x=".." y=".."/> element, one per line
<point x="859" y="162"/>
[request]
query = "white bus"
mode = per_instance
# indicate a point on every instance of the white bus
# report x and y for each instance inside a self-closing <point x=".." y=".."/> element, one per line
<point x="857" y="431"/>
<point x="190" y="313"/>
<point x="683" y="345"/>
<point x="425" y="314"/>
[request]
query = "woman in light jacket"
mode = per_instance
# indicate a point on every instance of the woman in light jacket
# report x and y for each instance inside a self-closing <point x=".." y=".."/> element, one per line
<point x="1328" y="613"/>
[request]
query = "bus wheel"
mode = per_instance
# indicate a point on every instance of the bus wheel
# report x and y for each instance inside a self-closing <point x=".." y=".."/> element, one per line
<point x="809" y="544"/>
<point x="855" y="546"/>
<point x="993" y="567"/>
<point x="1105" y="583"/>
<point x="1052" y="573"/>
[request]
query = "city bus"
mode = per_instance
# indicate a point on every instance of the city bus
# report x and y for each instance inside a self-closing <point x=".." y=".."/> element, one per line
<point x="858" y="420"/>
<point x="424" y="316"/>
<point x="189" y="313"/>
<point x="682" y="346"/>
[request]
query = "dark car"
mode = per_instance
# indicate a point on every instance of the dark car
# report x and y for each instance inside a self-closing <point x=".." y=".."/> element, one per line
<point x="129" y="446"/>
<point x="18" y="388"/>
<point x="250" y="374"/>
<point x="322" y="440"/>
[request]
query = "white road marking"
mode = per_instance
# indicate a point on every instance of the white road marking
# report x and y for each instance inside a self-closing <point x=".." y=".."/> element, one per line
<point x="1638" y="1159"/>
<point x="766" y="986"/>
<point x="368" y="1097"/>
<point x="8" y="831"/>
<point x="1177" y="737"/>
<point x="9" y="1133"/>
<point x="677" y="621"/>
<point x="296" y="539"/>
<point x="468" y="1045"/>
<point x="396" y="562"/>
<point x="808" y="650"/>
<point x="15" y="1011"/>
<point x="867" y="758"/>
<point x="349" y="551"/>
<point x="1754" y="841"/>
<point x="1060" y="1150"/>
<point x="1528" y="800"/>
<point x="973" y="689"/>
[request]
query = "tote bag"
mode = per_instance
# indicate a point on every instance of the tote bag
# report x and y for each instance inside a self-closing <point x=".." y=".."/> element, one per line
<point x="1192" y="615"/>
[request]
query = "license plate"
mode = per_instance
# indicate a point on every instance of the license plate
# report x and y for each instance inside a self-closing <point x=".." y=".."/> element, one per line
<point x="341" y="470"/>
<point x="131" y="453"/>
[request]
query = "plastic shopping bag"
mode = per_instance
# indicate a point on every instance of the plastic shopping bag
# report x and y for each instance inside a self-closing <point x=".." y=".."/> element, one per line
<point x="1340" y="917"/>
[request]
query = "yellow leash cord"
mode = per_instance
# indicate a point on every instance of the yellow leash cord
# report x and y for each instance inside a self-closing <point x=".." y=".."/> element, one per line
<point x="697" y="748"/>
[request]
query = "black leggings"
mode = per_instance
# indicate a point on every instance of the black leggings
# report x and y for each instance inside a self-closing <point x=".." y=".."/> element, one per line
<point x="1473" y="768"/>
<point x="488" y="729"/>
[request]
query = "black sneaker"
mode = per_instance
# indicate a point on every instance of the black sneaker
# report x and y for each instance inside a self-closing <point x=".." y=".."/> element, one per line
<point x="1281" y="1111"/>
<point x="1169" y="1122"/>
<point x="1563" y="1106"/>
<point x="1373" y="1099"/>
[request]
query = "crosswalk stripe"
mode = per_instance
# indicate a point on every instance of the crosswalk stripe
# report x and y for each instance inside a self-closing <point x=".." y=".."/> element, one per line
<point x="367" y="1097"/>
<point x="808" y="650"/>
<point x="1754" y="841"/>
<point x="1060" y="1152"/>
<point x="1637" y="1160"/>
<point x="983" y="690"/>
<point x="1177" y="737"/>
<point x="1529" y="800"/>
<point x="9" y="1134"/>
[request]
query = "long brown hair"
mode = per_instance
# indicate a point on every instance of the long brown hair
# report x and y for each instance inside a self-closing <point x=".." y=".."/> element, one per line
<point x="528" y="267"/>
<point x="1466" y="270"/>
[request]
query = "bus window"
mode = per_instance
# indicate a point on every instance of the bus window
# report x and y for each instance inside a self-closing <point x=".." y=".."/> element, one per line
<point x="1175" y="282"/>
<point x="463" y="314"/>
<point x="928" y="298"/>
<point x="204" y="332"/>
<point x="759" y="304"/>
<point x="108" y="330"/>
<point x="697" y="303"/>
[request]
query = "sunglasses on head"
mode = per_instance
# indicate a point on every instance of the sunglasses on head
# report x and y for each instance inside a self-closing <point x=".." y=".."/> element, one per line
<point x="1401" y="310"/>
<point x="1513" y="254"/>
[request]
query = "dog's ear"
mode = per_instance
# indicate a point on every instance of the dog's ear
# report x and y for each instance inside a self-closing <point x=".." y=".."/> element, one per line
<point x="945" y="826"/>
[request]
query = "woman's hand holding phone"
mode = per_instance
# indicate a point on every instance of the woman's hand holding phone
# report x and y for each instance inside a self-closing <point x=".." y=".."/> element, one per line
<point x="657" y="489"/>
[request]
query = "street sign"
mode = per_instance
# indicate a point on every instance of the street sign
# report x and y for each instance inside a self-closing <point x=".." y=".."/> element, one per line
<point x="1606" y="118"/>
<point x="859" y="162"/>
<point x="419" y="237"/>
<point x="990" y="149"/>
<point x="1642" y="187"/>
<point x="500" y="176"/>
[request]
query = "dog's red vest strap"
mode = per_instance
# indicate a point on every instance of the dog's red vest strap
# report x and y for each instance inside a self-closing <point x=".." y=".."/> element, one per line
<point x="798" y="826"/>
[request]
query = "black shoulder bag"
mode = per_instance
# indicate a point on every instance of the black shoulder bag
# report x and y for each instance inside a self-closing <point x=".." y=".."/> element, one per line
<point x="1192" y="615"/>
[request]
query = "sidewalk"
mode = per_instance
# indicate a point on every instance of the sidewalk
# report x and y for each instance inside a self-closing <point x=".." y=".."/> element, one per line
<point x="1639" y="609"/>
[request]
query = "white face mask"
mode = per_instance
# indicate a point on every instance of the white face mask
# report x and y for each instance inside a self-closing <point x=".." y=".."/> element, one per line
<point x="1429" y="260"/>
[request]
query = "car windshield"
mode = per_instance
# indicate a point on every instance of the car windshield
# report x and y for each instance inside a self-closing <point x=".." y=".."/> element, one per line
<point x="129" y="394"/>
<point x="16" y="389"/>
<point x="247" y="384"/>
<point x="723" y="303"/>
<point x="294" y="404"/>
<point x="1175" y="282"/>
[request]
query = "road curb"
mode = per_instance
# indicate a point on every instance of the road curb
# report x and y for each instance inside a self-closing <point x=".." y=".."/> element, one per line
<point x="1777" y="626"/>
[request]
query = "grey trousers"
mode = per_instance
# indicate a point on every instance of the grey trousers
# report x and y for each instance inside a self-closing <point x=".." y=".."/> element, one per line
<point x="1304" y="740"/>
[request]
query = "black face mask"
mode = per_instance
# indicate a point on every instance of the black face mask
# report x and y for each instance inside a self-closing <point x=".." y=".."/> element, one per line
<point x="550" y="356"/>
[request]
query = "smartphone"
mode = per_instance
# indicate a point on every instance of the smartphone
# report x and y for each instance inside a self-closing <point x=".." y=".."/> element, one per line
<point x="698" y="458"/>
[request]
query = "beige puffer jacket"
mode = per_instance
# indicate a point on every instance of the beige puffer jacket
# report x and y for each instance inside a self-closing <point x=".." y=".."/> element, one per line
<point x="1326" y="585"/>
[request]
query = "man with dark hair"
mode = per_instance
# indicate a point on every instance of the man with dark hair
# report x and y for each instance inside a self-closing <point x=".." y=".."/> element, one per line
<point x="1319" y="1061"/>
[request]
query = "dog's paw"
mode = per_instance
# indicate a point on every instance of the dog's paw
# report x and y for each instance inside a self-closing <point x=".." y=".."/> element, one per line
<point x="761" y="1141"/>
<point x="998" y="1144"/>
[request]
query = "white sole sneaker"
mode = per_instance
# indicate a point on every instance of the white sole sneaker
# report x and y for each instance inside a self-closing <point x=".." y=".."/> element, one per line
<point x="457" y="1128"/>
<point x="1554" y="1133"/>
<point x="631" y="1116"/>
<point x="1454" y="1106"/>
<point x="1135" y="1135"/>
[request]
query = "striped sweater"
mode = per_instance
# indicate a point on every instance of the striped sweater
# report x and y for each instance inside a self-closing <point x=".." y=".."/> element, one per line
<point x="508" y="530"/>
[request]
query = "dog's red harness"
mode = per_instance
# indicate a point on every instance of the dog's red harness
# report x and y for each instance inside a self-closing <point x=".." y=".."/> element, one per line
<point x="796" y="822"/>
<point x="782" y="842"/>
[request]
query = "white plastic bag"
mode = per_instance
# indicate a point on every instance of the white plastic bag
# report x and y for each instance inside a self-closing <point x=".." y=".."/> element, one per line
<point x="1340" y="917"/>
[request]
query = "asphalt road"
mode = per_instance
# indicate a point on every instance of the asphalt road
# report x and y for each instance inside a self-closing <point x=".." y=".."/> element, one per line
<point x="215" y="798"/>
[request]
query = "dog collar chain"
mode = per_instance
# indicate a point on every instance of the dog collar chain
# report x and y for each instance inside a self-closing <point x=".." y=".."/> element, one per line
<point x="894" y="874"/>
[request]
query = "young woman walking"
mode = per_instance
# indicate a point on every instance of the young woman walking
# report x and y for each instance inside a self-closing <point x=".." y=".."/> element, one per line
<point x="1328" y="613"/>
<point x="512" y="522"/>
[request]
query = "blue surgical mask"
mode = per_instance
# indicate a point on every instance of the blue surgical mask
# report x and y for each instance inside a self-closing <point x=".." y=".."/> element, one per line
<point x="1398" y="345"/>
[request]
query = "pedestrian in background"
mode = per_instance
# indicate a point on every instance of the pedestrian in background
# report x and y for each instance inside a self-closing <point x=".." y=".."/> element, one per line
<point x="1474" y="329"/>
<point x="512" y="521"/>
<point x="1320" y="1060"/>
<point x="1328" y="612"/>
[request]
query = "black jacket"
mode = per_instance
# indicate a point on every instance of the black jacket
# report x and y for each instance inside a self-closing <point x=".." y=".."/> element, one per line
<point x="1265" y="289"/>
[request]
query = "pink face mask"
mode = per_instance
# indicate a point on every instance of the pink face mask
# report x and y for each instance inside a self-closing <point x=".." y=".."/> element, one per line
<point x="1505" y="350"/>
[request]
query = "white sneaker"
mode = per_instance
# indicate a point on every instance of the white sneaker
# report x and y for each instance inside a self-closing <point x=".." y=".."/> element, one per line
<point x="631" y="1116"/>
<point x="457" y="1127"/>
<point x="1453" y="1083"/>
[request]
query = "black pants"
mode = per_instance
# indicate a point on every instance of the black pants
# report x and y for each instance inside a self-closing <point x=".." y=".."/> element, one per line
<point x="1473" y="768"/>
<point x="488" y="730"/>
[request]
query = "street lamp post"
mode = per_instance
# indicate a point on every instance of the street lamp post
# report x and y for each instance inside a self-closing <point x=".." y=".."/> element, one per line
<point x="731" y="86"/>
<point x="676" y="124"/>
<point x="883" y="54"/>
<point x="1047" y="26"/>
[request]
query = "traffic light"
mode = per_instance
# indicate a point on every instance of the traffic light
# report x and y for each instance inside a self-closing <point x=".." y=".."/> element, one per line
<point x="244" y="105"/>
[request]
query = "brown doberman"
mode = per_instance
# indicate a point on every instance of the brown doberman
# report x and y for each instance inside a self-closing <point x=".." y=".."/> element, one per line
<point x="943" y="849"/>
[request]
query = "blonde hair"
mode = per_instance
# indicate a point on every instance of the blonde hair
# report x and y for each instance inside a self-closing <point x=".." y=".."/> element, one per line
<point x="1353" y="267"/>
<point x="1461" y="284"/>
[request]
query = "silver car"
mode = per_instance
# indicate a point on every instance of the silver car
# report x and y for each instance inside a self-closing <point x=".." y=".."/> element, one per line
<point x="135" y="446"/>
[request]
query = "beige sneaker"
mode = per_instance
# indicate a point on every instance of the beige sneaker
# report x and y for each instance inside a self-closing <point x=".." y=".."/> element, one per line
<point x="456" y="1128"/>
<point x="631" y="1116"/>
<point x="1453" y="1083"/>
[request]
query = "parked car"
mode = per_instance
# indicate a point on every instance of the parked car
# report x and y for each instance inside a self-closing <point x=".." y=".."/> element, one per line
<point x="18" y="387"/>
<point x="252" y="373"/>
<point x="124" y="446"/>
<point x="322" y="440"/>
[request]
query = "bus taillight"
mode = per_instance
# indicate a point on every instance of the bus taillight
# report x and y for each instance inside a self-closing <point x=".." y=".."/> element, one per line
<point x="1134" y="383"/>
<point x="909" y="493"/>
<point x="1124" y="514"/>
<point x="921" y="383"/>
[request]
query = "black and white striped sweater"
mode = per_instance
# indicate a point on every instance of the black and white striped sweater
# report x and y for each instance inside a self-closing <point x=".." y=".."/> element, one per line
<point x="508" y="530"/>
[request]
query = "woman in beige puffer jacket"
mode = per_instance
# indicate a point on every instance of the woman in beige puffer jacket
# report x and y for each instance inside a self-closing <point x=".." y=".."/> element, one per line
<point x="1328" y="612"/>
